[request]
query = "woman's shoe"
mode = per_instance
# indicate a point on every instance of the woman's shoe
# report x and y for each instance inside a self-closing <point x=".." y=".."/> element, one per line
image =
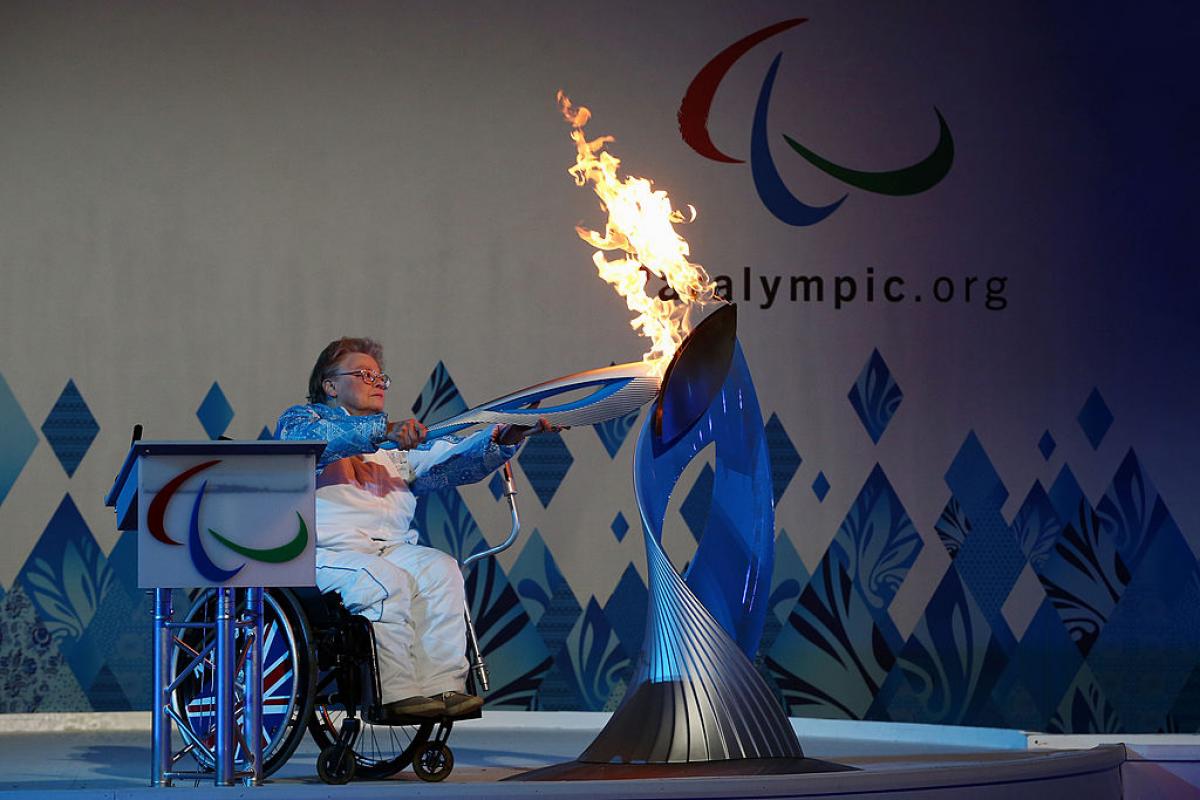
<point x="418" y="706"/>
<point x="458" y="704"/>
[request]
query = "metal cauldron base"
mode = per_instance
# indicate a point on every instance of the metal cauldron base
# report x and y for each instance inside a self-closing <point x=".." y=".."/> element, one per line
<point x="585" y="771"/>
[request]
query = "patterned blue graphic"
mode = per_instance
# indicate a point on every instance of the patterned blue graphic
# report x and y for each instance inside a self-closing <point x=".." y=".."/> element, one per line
<point x="588" y="668"/>
<point x="613" y="432"/>
<point x="34" y="676"/>
<point x="820" y="487"/>
<point x="788" y="580"/>
<point x="1084" y="578"/>
<point x="833" y="654"/>
<point x="953" y="527"/>
<point x="545" y="460"/>
<point x="989" y="560"/>
<point x="214" y="412"/>
<point x="265" y="434"/>
<point x="1046" y="445"/>
<point x="783" y="456"/>
<point x="1085" y="709"/>
<point x="1095" y="419"/>
<point x="545" y="593"/>
<point x="619" y="526"/>
<point x="66" y="576"/>
<point x="1067" y="496"/>
<point x="439" y="398"/>
<point x="1155" y="625"/>
<point x="877" y="542"/>
<point x="118" y="672"/>
<point x="974" y="480"/>
<point x="696" y="505"/>
<point x="68" y="579"/>
<point x="70" y="428"/>
<point x="17" y="439"/>
<point x="496" y="485"/>
<point x="1038" y="673"/>
<point x="951" y="661"/>
<point x="1037" y="526"/>
<point x="875" y="396"/>
<point x="839" y="643"/>
<point x="1131" y="512"/>
<point x="626" y="611"/>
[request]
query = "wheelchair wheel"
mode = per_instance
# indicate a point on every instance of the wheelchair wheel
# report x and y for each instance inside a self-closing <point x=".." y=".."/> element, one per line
<point x="288" y="683"/>
<point x="433" y="761"/>
<point x="336" y="766"/>
<point x="380" y="750"/>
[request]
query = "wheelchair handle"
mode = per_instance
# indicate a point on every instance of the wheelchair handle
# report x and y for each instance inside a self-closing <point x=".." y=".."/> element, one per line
<point x="510" y="494"/>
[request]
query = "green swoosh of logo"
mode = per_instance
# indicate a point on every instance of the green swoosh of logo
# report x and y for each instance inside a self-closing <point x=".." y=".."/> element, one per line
<point x="909" y="180"/>
<point x="270" y="555"/>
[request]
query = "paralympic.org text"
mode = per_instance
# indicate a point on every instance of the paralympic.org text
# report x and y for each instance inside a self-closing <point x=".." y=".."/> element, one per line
<point x="841" y="290"/>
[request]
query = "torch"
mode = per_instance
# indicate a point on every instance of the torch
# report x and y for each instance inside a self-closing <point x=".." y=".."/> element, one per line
<point x="697" y="367"/>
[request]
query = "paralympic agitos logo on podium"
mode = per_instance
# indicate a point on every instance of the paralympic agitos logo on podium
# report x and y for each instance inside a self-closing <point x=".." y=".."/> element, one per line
<point x="201" y="560"/>
<point x="775" y="195"/>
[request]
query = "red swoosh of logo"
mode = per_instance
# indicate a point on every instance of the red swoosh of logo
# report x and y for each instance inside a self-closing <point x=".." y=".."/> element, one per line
<point x="158" y="506"/>
<point x="697" y="100"/>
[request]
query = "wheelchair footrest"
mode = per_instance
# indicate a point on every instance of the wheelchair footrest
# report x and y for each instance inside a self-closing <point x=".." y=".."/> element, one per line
<point x="402" y="720"/>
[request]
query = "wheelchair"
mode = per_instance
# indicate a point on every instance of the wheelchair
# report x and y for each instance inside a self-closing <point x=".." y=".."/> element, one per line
<point x="320" y="677"/>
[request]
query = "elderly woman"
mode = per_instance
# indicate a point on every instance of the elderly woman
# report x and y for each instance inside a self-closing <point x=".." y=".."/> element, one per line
<point x="366" y="546"/>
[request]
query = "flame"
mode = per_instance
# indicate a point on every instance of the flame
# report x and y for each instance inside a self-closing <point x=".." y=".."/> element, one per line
<point x="640" y="225"/>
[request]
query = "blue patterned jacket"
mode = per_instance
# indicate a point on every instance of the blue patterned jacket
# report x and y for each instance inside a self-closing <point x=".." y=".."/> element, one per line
<point x="437" y="463"/>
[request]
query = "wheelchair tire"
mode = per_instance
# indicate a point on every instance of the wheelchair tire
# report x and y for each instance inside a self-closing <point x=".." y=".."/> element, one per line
<point x="380" y="750"/>
<point x="433" y="761"/>
<point x="289" y="679"/>
<point x="336" y="765"/>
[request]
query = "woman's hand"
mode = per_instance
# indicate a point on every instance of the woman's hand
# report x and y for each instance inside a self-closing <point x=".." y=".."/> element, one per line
<point x="407" y="434"/>
<point x="515" y="434"/>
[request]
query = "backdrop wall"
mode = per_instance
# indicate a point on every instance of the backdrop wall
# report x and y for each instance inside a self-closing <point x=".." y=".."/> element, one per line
<point x="985" y="496"/>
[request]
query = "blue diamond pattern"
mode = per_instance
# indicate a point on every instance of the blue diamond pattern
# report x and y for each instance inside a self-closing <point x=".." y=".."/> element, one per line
<point x="545" y="460"/>
<point x="626" y="610"/>
<point x="67" y="577"/>
<point x="695" y="507"/>
<point x="17" y="439"/>
<point x="70" y="428"/>
<point x="784" y="458"/>
<point x="619" y="526"/>
<point x="820" y="487"/>
<point x="215" y="413"/>
<point x="440" y="398"/>
<point x="1046" y="445"/>
<point x="265" y="434"/>
<point x="1095" y="418"/>
<point x="974" y="480"/>
<point x="613" y="432"/>
<point x="875" y="396"/>
<point x="1068" y="498"/>
<point x="496" y="485"/>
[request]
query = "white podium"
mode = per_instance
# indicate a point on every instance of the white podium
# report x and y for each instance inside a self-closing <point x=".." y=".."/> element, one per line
<point x="225" y="515"/>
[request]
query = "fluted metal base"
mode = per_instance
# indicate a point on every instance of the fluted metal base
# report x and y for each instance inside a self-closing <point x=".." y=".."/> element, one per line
<point x="586" y="771"/>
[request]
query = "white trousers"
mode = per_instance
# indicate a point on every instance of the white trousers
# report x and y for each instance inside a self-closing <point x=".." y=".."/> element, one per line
<point x="414" y="597"/>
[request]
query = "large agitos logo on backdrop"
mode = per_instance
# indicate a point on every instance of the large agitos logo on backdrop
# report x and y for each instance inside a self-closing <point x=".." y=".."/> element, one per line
<point x="779" y="200"/>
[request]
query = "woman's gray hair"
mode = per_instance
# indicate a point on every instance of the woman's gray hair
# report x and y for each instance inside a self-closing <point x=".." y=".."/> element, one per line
<point x="331" y="355"/>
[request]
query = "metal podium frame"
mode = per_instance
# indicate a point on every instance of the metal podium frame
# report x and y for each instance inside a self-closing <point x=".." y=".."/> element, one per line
<point x="221" y="651"/>
<point x="227" y="666"/>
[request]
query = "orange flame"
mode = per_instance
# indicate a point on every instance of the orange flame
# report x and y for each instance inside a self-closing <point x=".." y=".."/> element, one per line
<point x="640" y="224"/>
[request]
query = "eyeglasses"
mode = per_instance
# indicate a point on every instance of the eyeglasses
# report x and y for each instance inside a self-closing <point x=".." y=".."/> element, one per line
<point x="369" y="377"/>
